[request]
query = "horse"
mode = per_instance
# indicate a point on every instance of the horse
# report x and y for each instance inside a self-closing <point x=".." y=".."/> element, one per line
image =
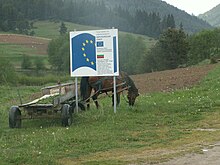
<point x="104" y="84"/>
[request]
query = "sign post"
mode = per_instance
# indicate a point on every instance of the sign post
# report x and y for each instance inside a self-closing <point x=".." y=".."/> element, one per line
<point x="94" y="53"/>
<point x="76" y="93"/>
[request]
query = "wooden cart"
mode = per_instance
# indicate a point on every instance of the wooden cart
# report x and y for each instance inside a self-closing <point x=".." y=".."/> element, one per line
<point x="62" y="106"/>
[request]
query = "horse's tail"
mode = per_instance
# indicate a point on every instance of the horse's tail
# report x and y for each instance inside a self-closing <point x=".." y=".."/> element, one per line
<point x="84" y="87"/>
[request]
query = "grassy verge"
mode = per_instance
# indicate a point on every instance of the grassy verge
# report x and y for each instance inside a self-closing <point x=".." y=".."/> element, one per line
<point x="159" y="127"/>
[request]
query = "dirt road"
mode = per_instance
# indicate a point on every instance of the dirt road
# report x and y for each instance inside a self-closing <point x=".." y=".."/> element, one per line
<point x="209" y="156"/>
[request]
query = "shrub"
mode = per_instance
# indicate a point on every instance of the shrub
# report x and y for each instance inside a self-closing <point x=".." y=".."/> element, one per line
<point x="7" y="72"/>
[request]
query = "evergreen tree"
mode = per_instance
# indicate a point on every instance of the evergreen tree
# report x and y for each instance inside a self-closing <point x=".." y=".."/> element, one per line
<point x="63" y="29"/>
<point x="170" y="21"/>
<point x="174" y="48"/>
<point x="170" y="51"/>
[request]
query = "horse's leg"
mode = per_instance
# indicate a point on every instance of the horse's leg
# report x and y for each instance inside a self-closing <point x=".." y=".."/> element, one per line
<point x="117" y="99"/>
<point x="88" y="105"/>
<point x="94" y="97"/>
<point x="88" y="99"/>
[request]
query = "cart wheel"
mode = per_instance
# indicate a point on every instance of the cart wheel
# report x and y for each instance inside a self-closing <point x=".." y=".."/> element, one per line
<point x="67" y="118"/>
<point x="14" y="117"/>
<point x="80" y="106"/>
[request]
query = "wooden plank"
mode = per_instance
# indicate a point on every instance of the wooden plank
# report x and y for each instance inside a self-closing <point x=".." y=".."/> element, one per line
<point x="37" y="100"/>
<point x="61" y="99"/>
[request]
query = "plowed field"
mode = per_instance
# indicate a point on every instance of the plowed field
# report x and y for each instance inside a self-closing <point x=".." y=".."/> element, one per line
<point x="169" y="80"/>
<point x="37" y="43"/>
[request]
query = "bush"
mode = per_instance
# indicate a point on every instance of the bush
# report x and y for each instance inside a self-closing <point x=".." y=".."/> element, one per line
<point x="7" y="72"/>
<point x="26" y="62"/>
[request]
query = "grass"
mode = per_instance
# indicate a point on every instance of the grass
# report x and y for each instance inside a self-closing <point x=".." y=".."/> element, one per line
<point x="14" y="53"/>
<point x="42" y="78"/>
<point x="160" y="126"/>
<point x="50" y="29"/>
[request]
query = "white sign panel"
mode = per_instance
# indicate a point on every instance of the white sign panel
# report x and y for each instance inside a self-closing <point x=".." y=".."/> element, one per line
<point x="94" y="53"/>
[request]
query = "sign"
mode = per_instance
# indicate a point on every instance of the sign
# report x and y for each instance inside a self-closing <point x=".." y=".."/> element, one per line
<point x="94" y="53"/>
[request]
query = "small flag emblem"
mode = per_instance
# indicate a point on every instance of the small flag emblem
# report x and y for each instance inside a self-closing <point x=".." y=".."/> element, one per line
<point x="100" y="56"/>
<point x="100" y="44"/>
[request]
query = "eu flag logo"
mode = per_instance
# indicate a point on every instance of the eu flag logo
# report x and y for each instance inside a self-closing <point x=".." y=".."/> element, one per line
<point x="84" y="51"/>
<point x="100" y="44"/>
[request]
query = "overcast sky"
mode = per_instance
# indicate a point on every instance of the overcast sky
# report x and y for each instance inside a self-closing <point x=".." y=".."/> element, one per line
<point x="194" y="6"/>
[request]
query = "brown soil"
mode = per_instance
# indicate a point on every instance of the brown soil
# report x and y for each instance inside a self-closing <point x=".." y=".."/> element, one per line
<point x="171" y="79"/>
<point x="37" y="43"/>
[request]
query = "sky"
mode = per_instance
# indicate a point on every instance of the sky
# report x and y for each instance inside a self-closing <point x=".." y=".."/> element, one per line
<point x="194" y="7"/>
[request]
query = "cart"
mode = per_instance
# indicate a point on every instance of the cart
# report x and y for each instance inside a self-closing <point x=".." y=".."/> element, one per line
<point x="62" y="106"/>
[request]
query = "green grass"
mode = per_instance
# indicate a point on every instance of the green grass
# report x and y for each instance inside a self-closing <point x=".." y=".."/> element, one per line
<point x="50" y="29"/>
<point x="161" y="124"/>
<point x="42" y="78"/>
<point x="15" y="52"/>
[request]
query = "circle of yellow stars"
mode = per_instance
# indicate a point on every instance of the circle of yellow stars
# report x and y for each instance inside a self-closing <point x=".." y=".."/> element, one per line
<point x="86" y="56"/>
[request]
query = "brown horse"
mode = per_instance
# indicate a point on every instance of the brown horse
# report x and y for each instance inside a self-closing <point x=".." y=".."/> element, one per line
<point x="105" y="85"/>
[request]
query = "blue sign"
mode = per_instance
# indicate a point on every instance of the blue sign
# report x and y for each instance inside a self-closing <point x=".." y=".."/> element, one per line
<point x="94" y="53"/>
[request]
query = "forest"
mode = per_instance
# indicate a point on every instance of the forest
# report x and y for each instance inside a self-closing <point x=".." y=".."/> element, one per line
<point x="19" y="16"/>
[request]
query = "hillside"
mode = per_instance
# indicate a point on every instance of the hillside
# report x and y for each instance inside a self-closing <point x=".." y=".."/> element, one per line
<point x="190" y="23"/>
<point x="212" y="16"/>
<point x="146" y="17"/>
<point x="14" y="47"/>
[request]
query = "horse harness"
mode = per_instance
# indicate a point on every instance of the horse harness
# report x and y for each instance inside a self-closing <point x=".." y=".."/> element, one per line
<point x="98" y="85"/>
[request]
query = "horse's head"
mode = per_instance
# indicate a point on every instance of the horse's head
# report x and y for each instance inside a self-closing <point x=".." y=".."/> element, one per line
<point x="132" y="95"/>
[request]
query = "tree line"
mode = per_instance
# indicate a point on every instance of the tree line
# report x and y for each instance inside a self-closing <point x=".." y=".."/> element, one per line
<point x="19" y="15"/>
<point x="173" y="49"/>
<point x="176" y="49"/>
